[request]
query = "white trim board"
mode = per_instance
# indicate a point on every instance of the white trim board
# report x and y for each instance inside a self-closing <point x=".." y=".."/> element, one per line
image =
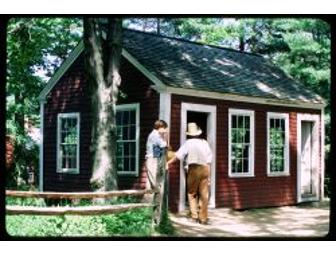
<point x="240" y="98"/>
<point x="41" y="159"/>
<point x="211" y="137"/>
<point x="165" y="109"/>
<point x="316" y="147"/>
<point x="322" y="125"/>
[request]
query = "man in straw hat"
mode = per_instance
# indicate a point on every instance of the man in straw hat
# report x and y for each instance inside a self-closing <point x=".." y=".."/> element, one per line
<point x="199" y="157"/>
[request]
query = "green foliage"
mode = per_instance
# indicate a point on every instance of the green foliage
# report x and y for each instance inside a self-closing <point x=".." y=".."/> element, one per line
<point x="25" y="201"/>
<point x="131" y="223"/>
<point x="35" y="48"/>
<point x="135" y="222"/>
<point x="165" y="227"/>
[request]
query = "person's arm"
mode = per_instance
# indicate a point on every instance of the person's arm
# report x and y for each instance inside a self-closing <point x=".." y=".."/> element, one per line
<point x="172" y="160"/>
<point x="182" y="151"/>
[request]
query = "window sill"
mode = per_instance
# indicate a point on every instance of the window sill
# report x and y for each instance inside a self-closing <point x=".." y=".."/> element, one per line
<point x="68" y="171"/>
<point x="278" y="174"/>
<point x="241" y="176"/>
<point x="127" y="174"/>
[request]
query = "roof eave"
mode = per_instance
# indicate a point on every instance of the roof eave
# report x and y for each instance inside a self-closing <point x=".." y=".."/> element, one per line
<point x="159" y="85"/>
<point x="247" y="99"/>
<point x="61" y="70"/>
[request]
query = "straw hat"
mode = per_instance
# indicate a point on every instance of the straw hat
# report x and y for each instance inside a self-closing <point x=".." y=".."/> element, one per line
<point x="193" y="129"/>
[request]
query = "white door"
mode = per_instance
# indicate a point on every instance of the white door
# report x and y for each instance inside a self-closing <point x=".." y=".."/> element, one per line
<point x="308" y="156"/>
<point x="210" y="112"/>
<point x="307" y="182"/>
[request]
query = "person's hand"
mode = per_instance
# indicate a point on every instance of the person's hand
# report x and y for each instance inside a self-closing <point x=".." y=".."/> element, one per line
<point x="167" y="166"/>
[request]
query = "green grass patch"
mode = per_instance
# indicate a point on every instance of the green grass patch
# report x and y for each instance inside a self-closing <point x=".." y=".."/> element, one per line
<point x="166" y="227"/>
<point x="131" y="223"/>
<point x="136" y="222"/>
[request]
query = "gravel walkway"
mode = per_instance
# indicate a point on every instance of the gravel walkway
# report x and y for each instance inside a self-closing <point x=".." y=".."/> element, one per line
<point x="308" y="220"/>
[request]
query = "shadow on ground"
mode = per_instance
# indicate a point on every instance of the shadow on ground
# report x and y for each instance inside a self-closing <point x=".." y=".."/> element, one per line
<point x="310" y="220"/>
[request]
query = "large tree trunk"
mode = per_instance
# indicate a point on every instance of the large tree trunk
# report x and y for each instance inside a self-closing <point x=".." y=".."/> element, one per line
<point x="103" y="60"/>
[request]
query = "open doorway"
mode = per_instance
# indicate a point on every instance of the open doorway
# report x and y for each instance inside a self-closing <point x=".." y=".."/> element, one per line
<point x="205" y="117"/>
<point x="201" y="120"/>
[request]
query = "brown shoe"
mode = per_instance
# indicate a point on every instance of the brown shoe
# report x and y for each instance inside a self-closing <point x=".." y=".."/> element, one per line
<point x="205" y="222"/>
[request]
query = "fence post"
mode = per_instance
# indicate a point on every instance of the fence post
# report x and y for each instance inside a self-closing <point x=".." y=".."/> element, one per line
<point x="160" y="198"/>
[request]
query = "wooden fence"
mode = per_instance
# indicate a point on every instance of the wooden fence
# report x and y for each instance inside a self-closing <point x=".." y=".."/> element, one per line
<point x="80" y="210"/>
<point x="78" y="195"/>
<point x="159" y="204"/>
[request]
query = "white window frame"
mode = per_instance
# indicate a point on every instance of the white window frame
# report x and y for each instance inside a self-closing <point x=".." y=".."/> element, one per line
<point x="284" y="116"/>
<point x="59" y="163"/>
<point x="136" y="107"/>
<point x="242" y="112"/>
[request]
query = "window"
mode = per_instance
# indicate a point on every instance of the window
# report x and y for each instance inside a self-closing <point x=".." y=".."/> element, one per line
<point x="277" y="144"/>
<point x="68" y="143"/>
<point x="241" y="143"/>
<point x="128" y="139"/>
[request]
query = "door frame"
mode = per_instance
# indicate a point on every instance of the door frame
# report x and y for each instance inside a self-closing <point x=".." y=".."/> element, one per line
<point x="211" y="137"/>
<point x="314" y="118"/>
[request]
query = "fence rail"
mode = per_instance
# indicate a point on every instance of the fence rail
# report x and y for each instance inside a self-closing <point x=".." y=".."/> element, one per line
<point x="82" y="210"/>
<point x="78" y="195"/>
<point x="159" y="204"/>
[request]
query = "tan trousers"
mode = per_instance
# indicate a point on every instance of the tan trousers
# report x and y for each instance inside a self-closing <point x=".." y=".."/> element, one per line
<point x="152" y="166"/>
<point x="198" y="191"/>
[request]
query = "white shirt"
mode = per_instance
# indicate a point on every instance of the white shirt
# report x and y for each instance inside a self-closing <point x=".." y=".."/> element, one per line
<point x="197" y="150"/>
<point x="154" y="139"/>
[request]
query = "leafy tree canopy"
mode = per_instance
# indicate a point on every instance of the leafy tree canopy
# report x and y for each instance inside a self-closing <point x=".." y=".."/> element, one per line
<point x="35" y="48"/>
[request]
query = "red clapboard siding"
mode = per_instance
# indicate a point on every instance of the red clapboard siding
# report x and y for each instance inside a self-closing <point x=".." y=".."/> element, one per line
<point x="9" y="151"/>
<point x="71" y="95"/>
<point x="248" y="192"/>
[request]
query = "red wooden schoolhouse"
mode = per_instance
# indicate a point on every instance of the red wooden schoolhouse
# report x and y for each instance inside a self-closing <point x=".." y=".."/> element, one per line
<point x="265" y="129"/>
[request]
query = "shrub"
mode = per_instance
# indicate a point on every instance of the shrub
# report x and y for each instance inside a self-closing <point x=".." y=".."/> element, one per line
<point x="135" y="222"/>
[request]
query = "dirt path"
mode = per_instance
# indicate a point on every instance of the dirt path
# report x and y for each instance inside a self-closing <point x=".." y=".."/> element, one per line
<point x="289" y="221"/>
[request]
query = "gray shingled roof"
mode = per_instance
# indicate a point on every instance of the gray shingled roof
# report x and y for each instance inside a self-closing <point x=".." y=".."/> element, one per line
<point x="183" y="64"/>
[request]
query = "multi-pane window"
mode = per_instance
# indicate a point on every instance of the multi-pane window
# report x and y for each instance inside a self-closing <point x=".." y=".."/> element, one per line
<point x="278" y="144"/>
<point x="241" y="142"/>
<point x="68" y="143"/>
<point x="127" y="119"/>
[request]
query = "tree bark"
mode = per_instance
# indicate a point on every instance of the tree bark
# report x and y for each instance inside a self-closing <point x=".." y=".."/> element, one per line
<point x="103" y="61"/>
